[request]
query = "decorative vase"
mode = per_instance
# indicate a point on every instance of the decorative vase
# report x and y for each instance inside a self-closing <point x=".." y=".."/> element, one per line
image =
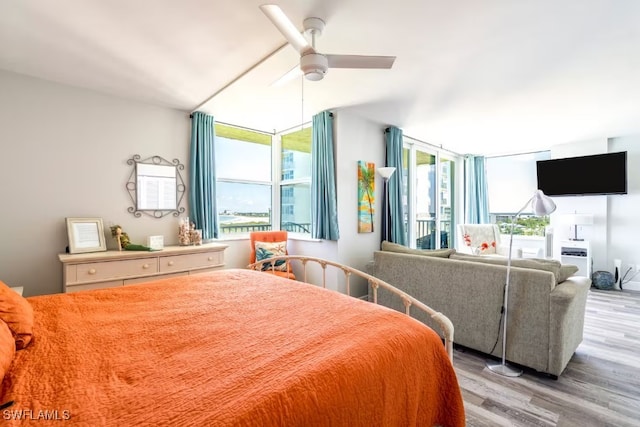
<point x="184" y="232"/>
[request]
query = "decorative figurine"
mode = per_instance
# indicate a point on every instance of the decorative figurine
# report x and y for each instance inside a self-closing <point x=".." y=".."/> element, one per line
<point x="124" y="242"/>
<point x="195" y="235"/>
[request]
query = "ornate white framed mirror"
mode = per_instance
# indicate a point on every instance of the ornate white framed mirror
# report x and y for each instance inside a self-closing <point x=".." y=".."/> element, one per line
<point x="155" y="186"/>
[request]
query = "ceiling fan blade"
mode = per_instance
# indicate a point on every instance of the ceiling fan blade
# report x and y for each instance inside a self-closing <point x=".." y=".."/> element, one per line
<point x="286" y="27"/>
<point x="288" y="76"/>
<point x="360" y="61"/>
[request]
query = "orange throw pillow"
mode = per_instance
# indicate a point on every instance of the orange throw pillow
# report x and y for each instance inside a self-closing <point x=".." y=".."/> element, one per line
<point x="7" y="349"/>
<point x="17" y="313"/>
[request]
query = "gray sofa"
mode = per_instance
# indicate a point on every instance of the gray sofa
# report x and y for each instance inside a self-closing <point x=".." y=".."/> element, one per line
<point x="545" y="320"/>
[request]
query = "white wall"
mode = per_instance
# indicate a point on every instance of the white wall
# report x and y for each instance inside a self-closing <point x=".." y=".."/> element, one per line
<point x="357" y="139"/>
<point x="64" y="153"/>
<point x="623" y="213"/>
<point x="615" y="230"/>
<point x="596" y="205"/>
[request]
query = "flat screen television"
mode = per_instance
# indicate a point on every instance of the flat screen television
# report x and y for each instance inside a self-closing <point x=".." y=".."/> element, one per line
<point x="584" y="175"/>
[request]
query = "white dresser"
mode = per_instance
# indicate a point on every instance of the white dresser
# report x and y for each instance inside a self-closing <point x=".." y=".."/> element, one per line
<point x="117" y="268"/>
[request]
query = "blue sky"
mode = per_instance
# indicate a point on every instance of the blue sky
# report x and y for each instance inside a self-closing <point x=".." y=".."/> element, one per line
<point x="243" y="161"/>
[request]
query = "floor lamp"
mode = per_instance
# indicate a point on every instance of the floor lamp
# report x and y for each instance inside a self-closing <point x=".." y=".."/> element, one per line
<point x="386" y="173"/>
<point x="541" y="205"/>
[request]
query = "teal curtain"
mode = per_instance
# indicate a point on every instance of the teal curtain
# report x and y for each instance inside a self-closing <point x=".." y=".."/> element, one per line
<point x="203" y="210"/>
<point x="393" y="227"/>
<point x="476" y="199"/>
<point x="324" y="208"/>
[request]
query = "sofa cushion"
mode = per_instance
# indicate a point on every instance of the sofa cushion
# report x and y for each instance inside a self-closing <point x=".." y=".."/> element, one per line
<point x="394" y="247"/>
<point x="551" y="265"/>
<point x="566" y="271"/>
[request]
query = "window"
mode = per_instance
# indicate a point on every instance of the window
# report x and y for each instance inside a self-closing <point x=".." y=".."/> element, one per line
<point x="447" y="169"/>
<point x="511" y="180"/>
<point x="295" y="184"/>
<point x="425" y="200"/>
<point x="246" y="180"/>
<point x="244" y="183"/>
<point x="429" y="190"/>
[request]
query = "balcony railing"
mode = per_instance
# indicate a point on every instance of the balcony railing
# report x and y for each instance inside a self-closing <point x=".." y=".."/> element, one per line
<point x="426" y="231"/>
<point x="243" y="228"/>
<point x="292" y="227"/>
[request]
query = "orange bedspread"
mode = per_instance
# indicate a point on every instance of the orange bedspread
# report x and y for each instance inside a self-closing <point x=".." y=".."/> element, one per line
<point x="233" y="347"/>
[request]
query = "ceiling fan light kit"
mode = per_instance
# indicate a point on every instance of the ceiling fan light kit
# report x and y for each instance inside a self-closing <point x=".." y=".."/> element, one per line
<point x="315" y="65"/>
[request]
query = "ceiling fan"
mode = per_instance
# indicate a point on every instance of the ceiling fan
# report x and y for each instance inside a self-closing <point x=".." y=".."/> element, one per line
<point x="313" y="64"/>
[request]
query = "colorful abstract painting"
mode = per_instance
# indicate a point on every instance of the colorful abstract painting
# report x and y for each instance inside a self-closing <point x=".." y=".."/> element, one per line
<point x="366" y="196"/>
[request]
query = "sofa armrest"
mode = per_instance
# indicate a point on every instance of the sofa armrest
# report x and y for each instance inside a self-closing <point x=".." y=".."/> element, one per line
<point x="568" y="302"/>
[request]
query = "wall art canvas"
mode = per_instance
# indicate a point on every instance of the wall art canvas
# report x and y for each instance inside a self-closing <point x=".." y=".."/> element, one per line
<point x="366" y="196"/>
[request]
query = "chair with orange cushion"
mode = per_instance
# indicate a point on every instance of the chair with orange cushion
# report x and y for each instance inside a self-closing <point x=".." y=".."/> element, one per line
<point x="266" y="240"/>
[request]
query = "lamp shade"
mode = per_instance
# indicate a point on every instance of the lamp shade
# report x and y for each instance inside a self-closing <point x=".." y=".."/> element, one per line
<point x="579" y="219"/>
<point x="386" y="172"/>
<point x="542" y="204"/>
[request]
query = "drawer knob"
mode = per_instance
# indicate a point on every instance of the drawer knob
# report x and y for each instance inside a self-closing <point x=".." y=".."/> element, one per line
<point x="170" y="262"/>
<point x="210" y="258"/>
<point x="145" y="266"/>
<point x="92" y="271"/>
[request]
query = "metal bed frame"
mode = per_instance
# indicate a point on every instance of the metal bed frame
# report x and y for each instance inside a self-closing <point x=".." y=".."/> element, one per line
<point x="375" y="283"/>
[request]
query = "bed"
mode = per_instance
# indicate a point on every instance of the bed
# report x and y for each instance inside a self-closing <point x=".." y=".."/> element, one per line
<point x="231" y="347"/>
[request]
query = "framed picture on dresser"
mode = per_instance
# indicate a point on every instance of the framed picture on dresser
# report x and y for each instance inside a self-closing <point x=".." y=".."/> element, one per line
<point x="86" y="235"/>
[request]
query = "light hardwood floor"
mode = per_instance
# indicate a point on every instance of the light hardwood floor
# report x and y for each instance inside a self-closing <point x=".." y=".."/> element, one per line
<point x="599" y="387"/>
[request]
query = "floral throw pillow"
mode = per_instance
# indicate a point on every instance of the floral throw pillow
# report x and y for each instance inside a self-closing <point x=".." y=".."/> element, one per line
<point x="266" y="250"/>
<point x="480" y="248"/>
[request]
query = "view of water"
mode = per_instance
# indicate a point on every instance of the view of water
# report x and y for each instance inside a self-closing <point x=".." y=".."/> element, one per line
<point x="237" y="219"/>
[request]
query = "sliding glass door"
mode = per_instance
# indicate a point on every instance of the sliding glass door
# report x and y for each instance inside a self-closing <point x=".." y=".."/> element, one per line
<point x="446" y="194"/>
<point x="426" y="200"/>
<point x="430" y="196"/>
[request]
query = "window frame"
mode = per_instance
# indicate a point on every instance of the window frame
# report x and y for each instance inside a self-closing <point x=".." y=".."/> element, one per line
<point x="270" y="183"/>
<point x="276" y="183"/>
<point x="504" y="224"/>
<point x="413" y="145"/>
<point x="281" y="182"/>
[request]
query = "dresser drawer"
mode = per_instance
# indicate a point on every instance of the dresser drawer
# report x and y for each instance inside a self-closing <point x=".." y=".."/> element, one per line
<point x="116" y="268"/>
<point x="191" y="261"/>
<point x="96" y="271"/>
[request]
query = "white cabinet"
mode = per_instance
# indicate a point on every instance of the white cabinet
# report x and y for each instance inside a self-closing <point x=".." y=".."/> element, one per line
<point x="578" y="253"/>
<point x="117" y="268"/>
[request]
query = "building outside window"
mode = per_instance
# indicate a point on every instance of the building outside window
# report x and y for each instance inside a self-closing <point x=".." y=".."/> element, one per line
<point x="295" y="182"/>
<point x="511" y="180"/>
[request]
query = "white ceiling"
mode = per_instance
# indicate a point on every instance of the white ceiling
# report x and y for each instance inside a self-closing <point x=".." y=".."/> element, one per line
<point x="492" y="76"/>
